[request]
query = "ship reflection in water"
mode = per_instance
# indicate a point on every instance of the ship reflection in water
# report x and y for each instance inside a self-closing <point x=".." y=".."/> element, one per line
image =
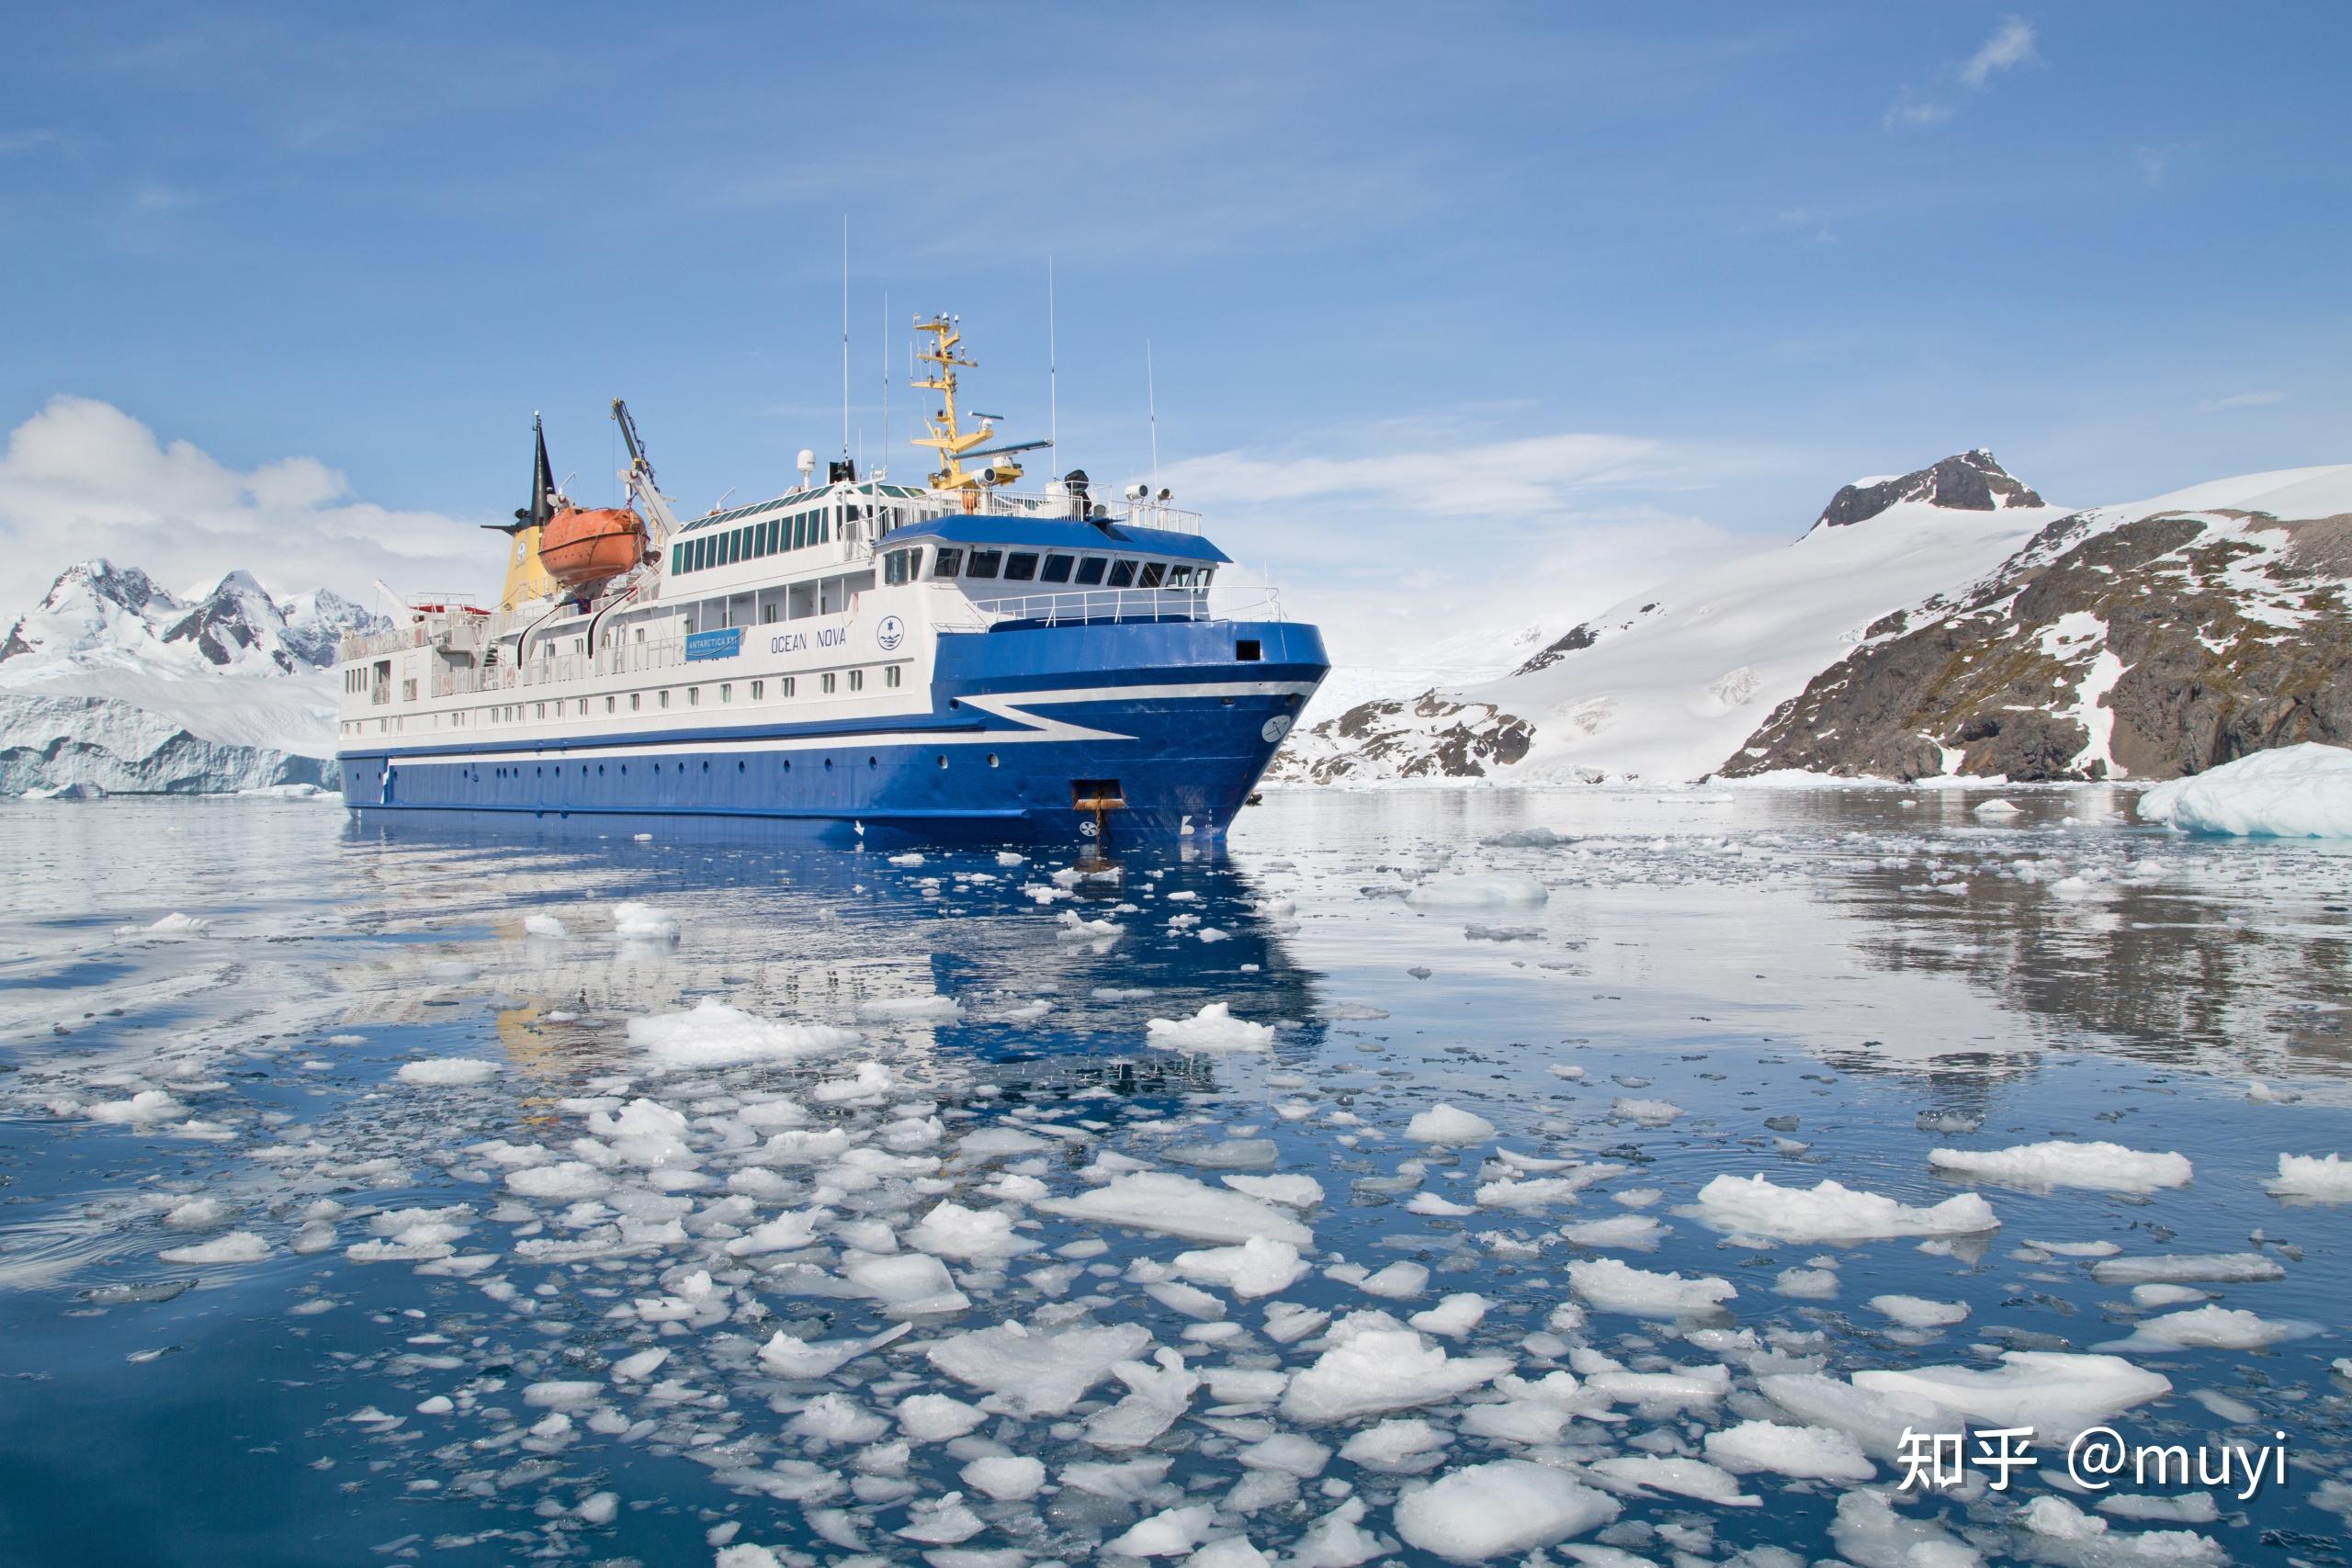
<point x="579" y="1195"/>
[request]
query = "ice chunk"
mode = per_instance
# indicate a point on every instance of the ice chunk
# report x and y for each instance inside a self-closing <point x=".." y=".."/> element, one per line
<point x="1291" y="1454"/>
<point x="445" y="1071"/>
<point x="1290" y="1191"/>
<point x="1999" y="807"/>
<point x="1648" y="1113"/>
<point x="1638" y="1232"/>
<point x="1492" y="890"/>
<point x="788" y="1232"/>
<point x="1037" y="1372"/>
<point x="2327" y="1178"/>
<point x="2054" y="1391"/>
<point x="1259" y="1266"/>
<point x="566" y="1181"/>
<point x="2291" y="792"/>
<point x="1755" y="1205"/>
<point x="1157" y="1394"/>
<point x="1445" y="1124"/>
<point x="199" y="1215"/>
<point x="2186" y="1268"/>
<point x="642" y="1365"/>
<point x="1805" y="1453"/>
<point x="562" y="1393"/>
<point x="1503" y="1508"/>
<point x="633" y="922"/>
<point x="942" y="1521"/>
<point x="1399" y="1281"/>
<point x="1213" y="1027"/>
<point x="951" y="1230"/>
<point x="1166" y="1534"/>
<point x="1180" y="1206"/>
<point x="909" y="1009"/>
<point x="1614" y="1286"/>
<point x="235" y="1246"/>
<point x="1406" y="1446"/>
<point x="1869" y="1533"/>
<point x="910" y="1284"/>
<point x="1916" y="1312"/>
<point x="1454" y="1316"/>
<point x="2212" y="1328"/>
<point x="936" y="1417"/>
<point x="1381" y="1370"/>
<point x="1679" y="1477"/>
<point x="2098" y="1167"/>
<point x="1008" y="1478"/>
<point x="717" y="1035"/>
<point x="1677" y="1389"/>
<point x="547" y="928"/>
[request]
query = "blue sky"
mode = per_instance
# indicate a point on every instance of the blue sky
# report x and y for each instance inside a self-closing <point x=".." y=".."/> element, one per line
<point x="1583" y="292"/>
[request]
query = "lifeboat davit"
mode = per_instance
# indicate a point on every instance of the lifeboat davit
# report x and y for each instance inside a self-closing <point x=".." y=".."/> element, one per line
<point x="580" y="547"/>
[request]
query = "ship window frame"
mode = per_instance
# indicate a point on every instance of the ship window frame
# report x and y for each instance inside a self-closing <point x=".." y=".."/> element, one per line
<point x="1151" y="574"/>
<point x="664" y="699"/>
<point x="891" y="675"/>
<point x="1046" y="572"/>
<point x="635" y="701"/>
<point x="994" y="559"/>
<point x="1090" y="569"/>
<point x="759" y="691"/>
<point x="948" y="562"/>
<point x="786" y="687"/>
<point x="857" y="680"/>
<point x="1179" y="575"/>
<point x="1123" y="573"/>
<point x="825" y="682"/>
<point x="694" y="696"/>
<point x="1021" y="565"/>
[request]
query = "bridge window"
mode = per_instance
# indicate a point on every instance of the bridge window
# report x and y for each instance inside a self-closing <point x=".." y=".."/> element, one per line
<point x="1090" y="571"/>
<point x="1179" y="577"/>
<point x="984" y="563"/>
<point x="1153" y="571"/>
<point x="894" y="569"/>
<point x="1021" y="565"/>
<point x="1058" y="568"/>
<point x="1123" y="574"/>
<point x="948" y="563"/>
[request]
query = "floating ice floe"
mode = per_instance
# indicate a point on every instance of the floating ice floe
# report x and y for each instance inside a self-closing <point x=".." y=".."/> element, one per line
<point x="1645" y="1473"/>
<point x="1213" y="1027"/>
<point x="2052" y="1391"/>
<point x="236" y="1247"/>
<point x="1258" y="1266"/>
<point x="2212" y="1328"/>
<point x="1290" y="1189"/>
<point x="442" y="1072"/>
<point x="1375" y="1369"/>
<point x="547" y="928"/>
<point x="1492" y="890"/>
<point x="1445" y="1124"/>
<point x="1917" y="1312"/>
<point x="716" y="1035"/>
<point x="909" y="1009"/>
<point x="633" y="922"/>
<point x="2185" y="1268"/>
<point x="2326" y="1178"/>
<point x="1180" y="1206"/>
<point x="1831" y="1211"/>
<point x="1038" y="1371"/>
<point x="2096" y="1167"/>
<point x="1636" y="1233"/>
<point x="1614" y="1286"/>
<point x="2293" y="792"/>
<point x="1503" y="1508"/>
<point x="969" y="1235"/>
<point x="1647" y="1112"/>
<point x="1801" y="1453"/>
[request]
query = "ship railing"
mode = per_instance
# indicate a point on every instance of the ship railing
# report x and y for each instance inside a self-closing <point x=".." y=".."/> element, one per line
<point x="1085" y="606"/>
<point x="1136" y="514"/>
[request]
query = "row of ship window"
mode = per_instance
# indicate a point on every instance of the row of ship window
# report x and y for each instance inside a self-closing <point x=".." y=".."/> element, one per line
<point x="700" y="552"/>
<point x="829" y="684"/>
<point x="991" y="562"/>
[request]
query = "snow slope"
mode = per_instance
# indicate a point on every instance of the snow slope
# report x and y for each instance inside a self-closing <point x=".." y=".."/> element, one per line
<point x="114" y="682"/>
<point x="1667" y="683"/>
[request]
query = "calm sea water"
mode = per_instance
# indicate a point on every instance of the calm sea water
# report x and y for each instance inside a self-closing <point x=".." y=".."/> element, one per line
<point x="414" y="1353"/>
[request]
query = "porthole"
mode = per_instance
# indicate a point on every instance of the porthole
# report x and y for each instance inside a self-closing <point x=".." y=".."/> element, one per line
<point x="942" y="759"/>
<point x="991" y="758"/>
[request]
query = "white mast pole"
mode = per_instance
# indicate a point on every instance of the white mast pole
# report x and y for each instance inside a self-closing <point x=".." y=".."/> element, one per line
<point x="883" y="469"/>
<point x="1053" y="405"/>
<point x="1151" y="404"/>
<point x="844" y="335"/>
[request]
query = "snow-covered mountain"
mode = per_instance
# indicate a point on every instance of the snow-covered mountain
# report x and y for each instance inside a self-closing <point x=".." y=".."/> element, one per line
<point x="2148" y="640"/>
<point x="1669" y="683"/>
<point x="116" y="683"/>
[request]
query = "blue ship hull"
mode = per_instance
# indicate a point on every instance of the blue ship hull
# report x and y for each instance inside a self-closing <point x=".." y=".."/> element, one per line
<point x="1024" y="721"/>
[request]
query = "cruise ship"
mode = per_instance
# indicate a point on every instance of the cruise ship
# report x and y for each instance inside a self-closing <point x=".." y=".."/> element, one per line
<point x="950" y="661"/>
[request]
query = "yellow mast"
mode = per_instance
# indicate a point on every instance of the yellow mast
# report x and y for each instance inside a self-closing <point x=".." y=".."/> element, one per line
<point x="948" y="437"/>
<point x="526" y="579"/>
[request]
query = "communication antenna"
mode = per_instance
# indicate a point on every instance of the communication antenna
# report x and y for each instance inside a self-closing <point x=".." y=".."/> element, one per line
<point x="844" y="335"/>
<point x="1053" y="406"/>
<point x="882" y="469"/>
<point x="1151" y="404"/>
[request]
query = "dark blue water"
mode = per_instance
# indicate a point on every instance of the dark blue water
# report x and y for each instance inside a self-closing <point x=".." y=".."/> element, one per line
<point x="1805" y="986"/>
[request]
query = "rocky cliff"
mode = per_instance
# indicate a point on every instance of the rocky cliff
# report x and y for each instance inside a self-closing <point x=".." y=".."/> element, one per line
<point x="2146" y="641"/>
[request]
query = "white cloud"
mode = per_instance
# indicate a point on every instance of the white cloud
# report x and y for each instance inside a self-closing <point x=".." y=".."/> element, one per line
<point x="1420" y="562"/>
<point x="2248" y="400"/>
<point x="2010" y="45"/>
<point x="81" y="477"/>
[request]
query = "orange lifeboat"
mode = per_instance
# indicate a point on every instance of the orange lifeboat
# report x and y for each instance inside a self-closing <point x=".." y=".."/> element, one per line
<point x="580" y="547"/>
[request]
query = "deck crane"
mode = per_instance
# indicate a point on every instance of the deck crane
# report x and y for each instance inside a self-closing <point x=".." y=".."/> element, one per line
<point x="638" y="478"/>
